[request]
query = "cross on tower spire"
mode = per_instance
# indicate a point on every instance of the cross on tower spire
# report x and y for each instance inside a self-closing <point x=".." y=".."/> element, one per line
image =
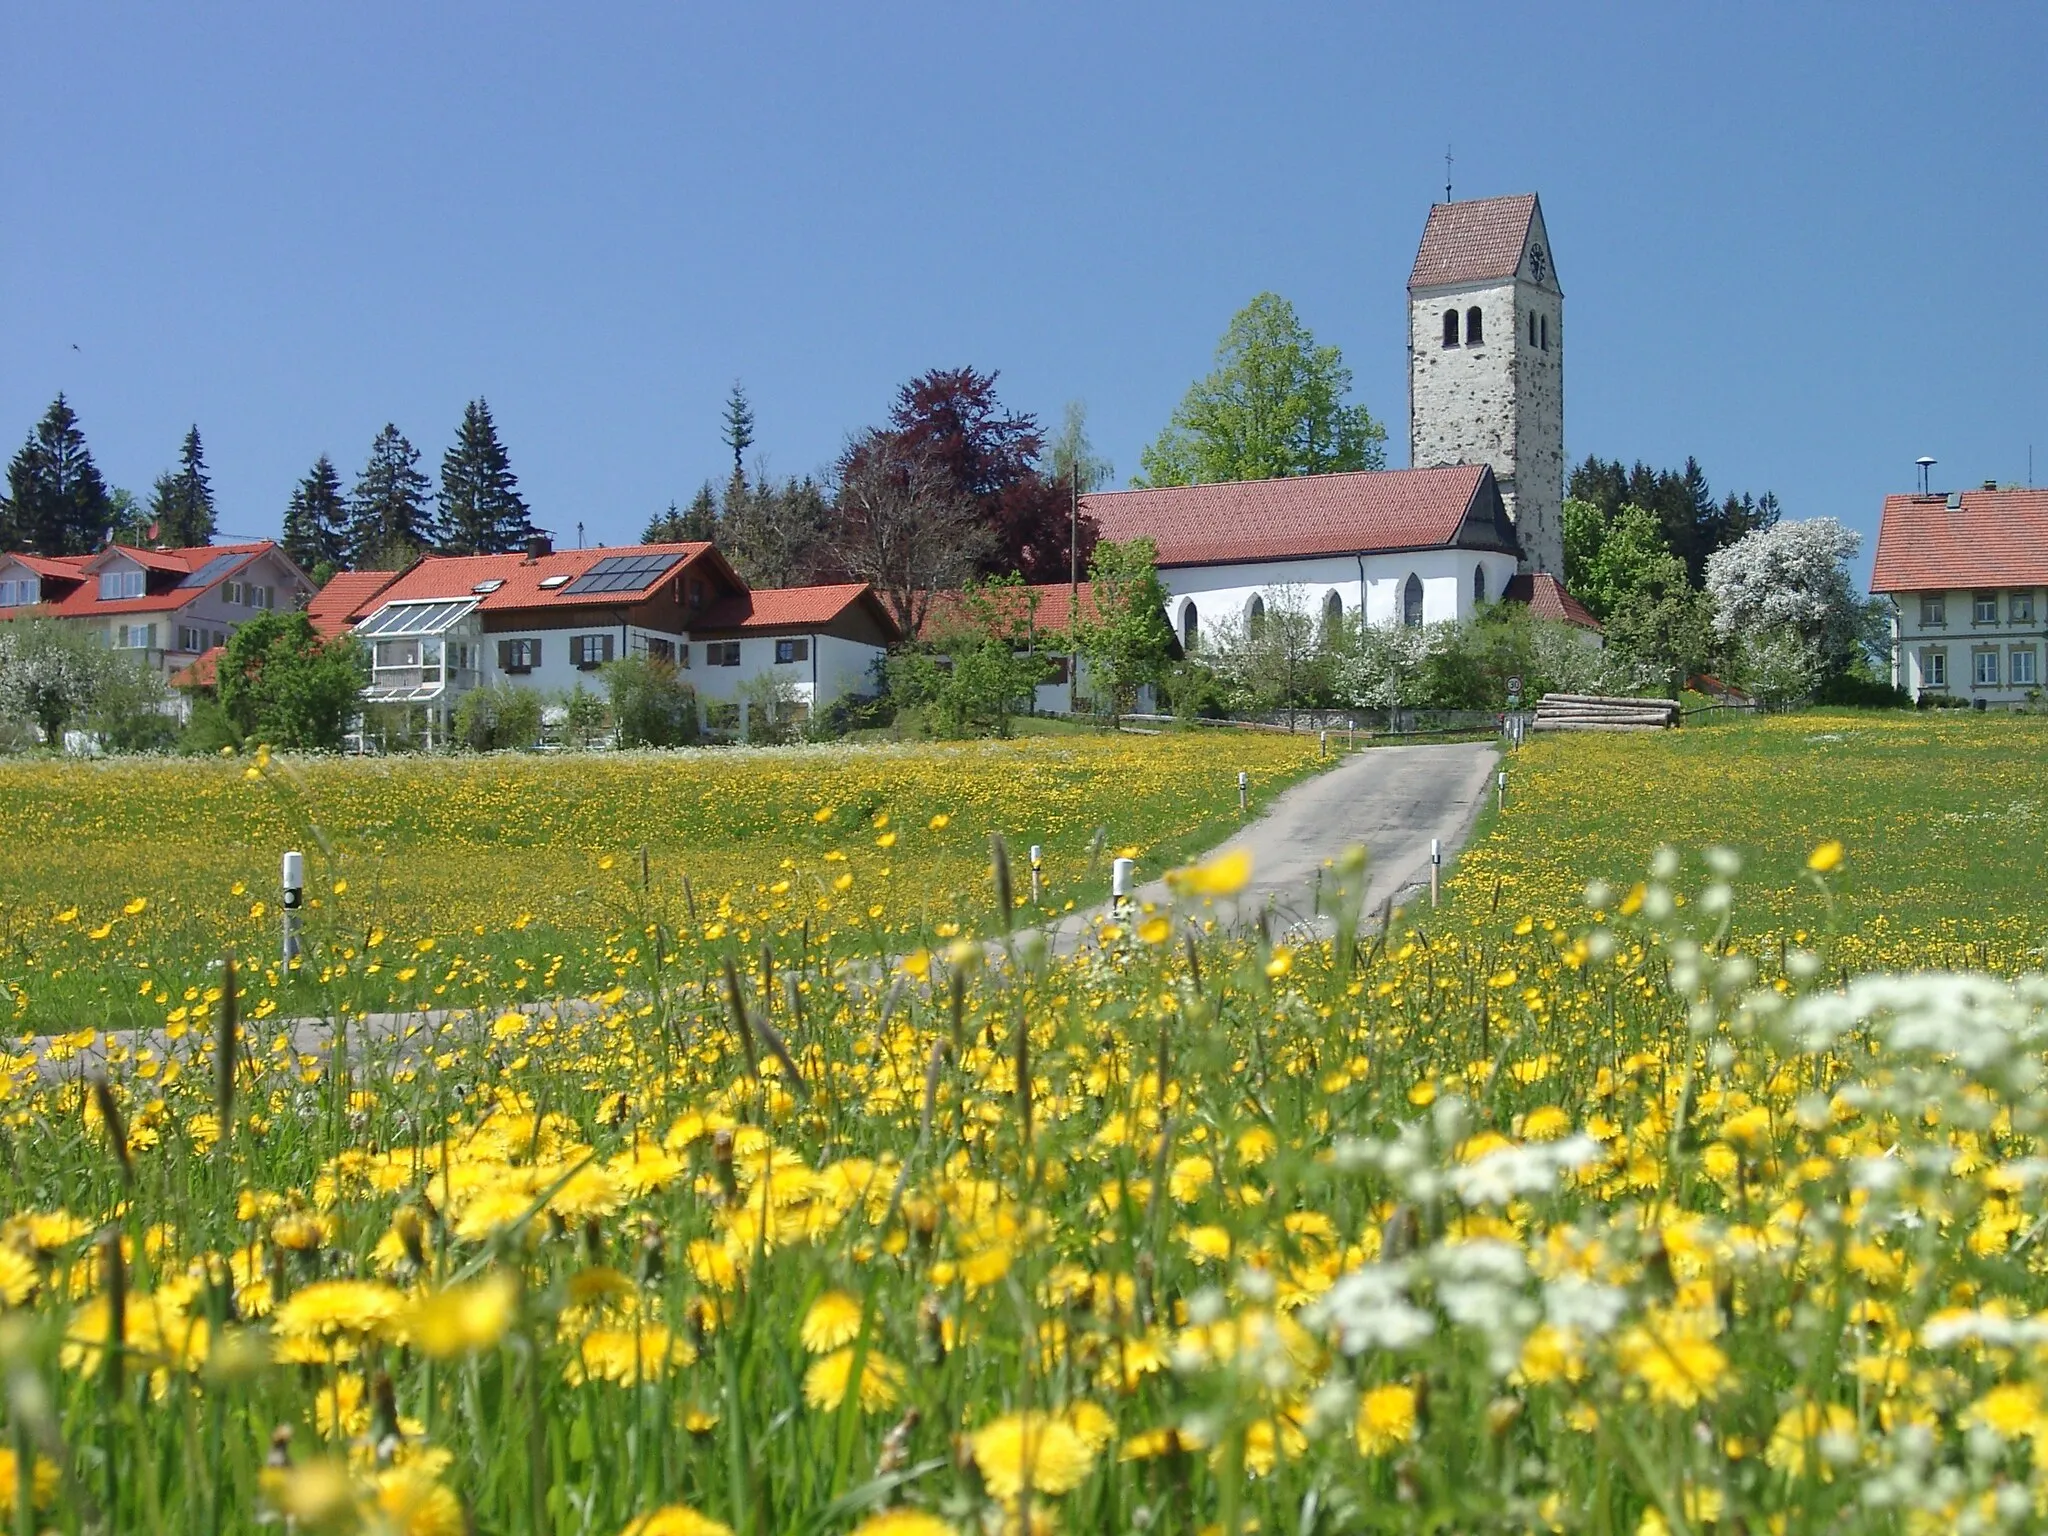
<point x="1447" y="173"/>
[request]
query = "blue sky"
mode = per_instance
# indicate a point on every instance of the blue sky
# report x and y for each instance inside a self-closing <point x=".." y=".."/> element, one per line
<point x="1803" y="243"/>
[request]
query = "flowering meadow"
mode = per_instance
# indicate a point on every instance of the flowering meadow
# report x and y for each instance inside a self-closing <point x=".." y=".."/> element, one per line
<point x="1550" y="1211"/>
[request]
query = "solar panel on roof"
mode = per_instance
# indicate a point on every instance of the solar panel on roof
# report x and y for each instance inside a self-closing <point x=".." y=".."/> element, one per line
<point x="211" y="569"/>
<point x="622" y="573"/>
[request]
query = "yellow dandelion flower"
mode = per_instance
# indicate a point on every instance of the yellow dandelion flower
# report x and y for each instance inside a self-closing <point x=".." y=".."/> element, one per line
<point x="833" y="1320"/>
<point x="463" y="1319"/>
<point x="1386" y="1419"/>
<point x="2011" y="1410"/>
<point x="1033" y="1448"/>
<point x="1826" y="857"/>
<point x="1224" y="875"/>
<point x="938" y="822"/>
<point x="676" y="1520"/>
<point x="333" y="1307"/>
<point x="412" y="1503"/>
<point x="881" y="1381"/>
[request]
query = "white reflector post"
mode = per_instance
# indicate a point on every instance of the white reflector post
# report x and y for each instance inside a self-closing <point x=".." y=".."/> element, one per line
<point x="1123" y="878"/>
<point x="293" y="878"/>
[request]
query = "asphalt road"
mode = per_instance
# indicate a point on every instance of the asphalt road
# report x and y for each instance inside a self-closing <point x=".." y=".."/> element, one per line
<point x="1391" y="800"/>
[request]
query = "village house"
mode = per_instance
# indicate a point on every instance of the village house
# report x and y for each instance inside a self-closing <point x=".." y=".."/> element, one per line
<point x="549" y="619"/>
<point x="165" y="607"/>
<point x="1966" y="576"/>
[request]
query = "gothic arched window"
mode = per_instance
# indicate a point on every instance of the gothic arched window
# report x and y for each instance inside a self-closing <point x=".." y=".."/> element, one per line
<point x="1450" y="327"/>
<point x="1474" y="328"/>
<point x="1333" y="613"/>
<point x="1478" y="585"/>
<point x="1190" y="626"/>
<point x="1255" y="616"/>
<point x="1411" y="602"/>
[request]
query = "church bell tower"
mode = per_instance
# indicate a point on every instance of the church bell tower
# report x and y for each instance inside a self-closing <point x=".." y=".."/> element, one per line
<point x="1486" y="360"/>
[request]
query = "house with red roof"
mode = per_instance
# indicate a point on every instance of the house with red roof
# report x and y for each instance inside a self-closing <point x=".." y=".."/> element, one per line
<point x="1041" y="615"/>
<point x="1966" y="574"/>
<point x="165" y="607"/>
<point x="550" y="619"/>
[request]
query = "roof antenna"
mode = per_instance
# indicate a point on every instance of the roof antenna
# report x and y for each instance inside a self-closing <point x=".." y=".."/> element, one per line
<point x="1447" y="173"/>
<point x="1925" y="464"/>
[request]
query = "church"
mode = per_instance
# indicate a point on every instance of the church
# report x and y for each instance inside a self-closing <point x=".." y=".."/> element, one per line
<point x="1478" y="518"/>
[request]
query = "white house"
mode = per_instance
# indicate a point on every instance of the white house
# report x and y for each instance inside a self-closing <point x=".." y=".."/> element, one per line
<point x="164" y="607"/>
<point x="549" y="619"/>
<point x="1966" y="573"/>
<point x="1412" y="546"/>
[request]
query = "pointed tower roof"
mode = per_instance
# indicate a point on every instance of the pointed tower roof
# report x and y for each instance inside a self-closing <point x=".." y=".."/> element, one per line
<point x="1474" y="241"/>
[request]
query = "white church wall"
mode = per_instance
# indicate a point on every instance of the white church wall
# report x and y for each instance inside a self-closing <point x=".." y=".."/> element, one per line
<point x="1226" y="591"/>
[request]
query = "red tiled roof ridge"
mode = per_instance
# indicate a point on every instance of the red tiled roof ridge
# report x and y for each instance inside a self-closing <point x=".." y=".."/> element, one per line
<point x="1296" y="517"/>
<point x="1547" y="598"/>
<point x="447" y="577"/>
<point x="1996" y="538"/>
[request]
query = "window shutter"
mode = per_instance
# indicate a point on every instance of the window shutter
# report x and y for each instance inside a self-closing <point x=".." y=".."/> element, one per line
<point x="533" y="653"/>
<point x="607" y="648"/>
<point x="504" y="655"/>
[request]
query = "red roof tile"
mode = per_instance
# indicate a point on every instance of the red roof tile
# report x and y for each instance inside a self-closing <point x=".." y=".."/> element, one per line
<point x="792" y="608"/>
<point x="62" y="567"/>
<point x="202" y="671"/>
<point x="452" y="576"/>
<point x="1547" y="599"/>
<point x="1994" y="539"/>
<point x="85" y="601"/>
<point x="1473" y="241"/>
<point x="1293" y="518"/>
<point x="949" y="610"/>
<point x="331" y="608"/>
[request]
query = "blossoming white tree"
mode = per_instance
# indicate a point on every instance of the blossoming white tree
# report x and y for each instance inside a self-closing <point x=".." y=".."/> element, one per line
<point x="1792" y="578"/>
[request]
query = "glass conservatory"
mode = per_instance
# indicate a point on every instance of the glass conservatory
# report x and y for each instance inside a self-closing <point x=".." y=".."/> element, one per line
<point x="424" y="655"/>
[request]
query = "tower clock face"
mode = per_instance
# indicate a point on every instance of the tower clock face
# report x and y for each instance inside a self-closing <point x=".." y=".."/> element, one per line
<point x="1537" y="262"/>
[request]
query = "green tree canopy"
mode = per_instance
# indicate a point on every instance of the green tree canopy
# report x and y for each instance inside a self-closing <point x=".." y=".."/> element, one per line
<point x="316" y="519"/>
<point x="1130" y="643"/>
<point x="387" y="513"/>
<point x="56" y="502"/>
<point x="181" y="504"/>
<point x="282" y="683"/>
<point x="481" y="510"/>
<point x="1608" y="560"/>
<point x="1274" y="405"/>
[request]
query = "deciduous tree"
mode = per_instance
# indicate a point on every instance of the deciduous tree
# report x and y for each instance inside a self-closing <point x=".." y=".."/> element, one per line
<point x="903" y="525"/>
<point x="283" y="683"/>
<point x="1129" y="643"/>
<point x="1795" y="577"/>
<point x="1273" y="405"/>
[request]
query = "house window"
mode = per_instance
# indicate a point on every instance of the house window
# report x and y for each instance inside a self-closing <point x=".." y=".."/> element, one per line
<point x="1255" y="616"/>
<point x="1190" y="627"/>
<point x="1474" y="327"/>
<point x="2019" y="607"/>
<point x="1411" y="602"/>
<point x="1450" y="327"/>
<point x="190" y="639"/>
<point x="518" y="655"/>
<point x="1934" y="669"/>
<point x="722" y="653"/>
<point x="683" y="655"/>
<point x="1478" y="585"/>
<point x="792" y="650"/>
<point x="119" y="584"/>
<point x="135" y="637"/>
<point x="1933" y="610"/>
<point x="1986" y="669"/>
<point x="657" y="650"/>
<point x="587" y="651"/>
<point x="16" y="594"/>
<point x="2023" y="667"/>
<point x="1985" y="609"/>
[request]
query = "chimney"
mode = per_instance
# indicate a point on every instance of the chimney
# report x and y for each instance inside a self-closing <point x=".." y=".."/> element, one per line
<point x="538" y="544"/>
<point x="1990" y="485"/>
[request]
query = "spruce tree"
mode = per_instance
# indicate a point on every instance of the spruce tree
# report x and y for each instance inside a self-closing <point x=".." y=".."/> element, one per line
<point x="694" y="524"/>
<point x="181" y="504"/>
<point x="56" y="502"/>
<point x="316" y="520"/>
<point x="739" y="426"/>
<point x="388" y="522"/>
<point x="482" y="512"/>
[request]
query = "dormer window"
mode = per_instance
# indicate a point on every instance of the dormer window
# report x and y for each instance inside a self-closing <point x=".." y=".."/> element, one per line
<point x="115" y="585"/>
<point x="20" y="593"/>
<point x="1450" y="327"/>
<point x="1475" y="331"/>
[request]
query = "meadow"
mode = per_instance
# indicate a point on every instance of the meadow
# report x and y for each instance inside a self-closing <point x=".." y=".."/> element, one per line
<point x="1608" y="1199"/>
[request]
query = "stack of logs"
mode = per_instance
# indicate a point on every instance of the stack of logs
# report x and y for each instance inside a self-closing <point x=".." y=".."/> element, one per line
<point x="1592" y="712"/>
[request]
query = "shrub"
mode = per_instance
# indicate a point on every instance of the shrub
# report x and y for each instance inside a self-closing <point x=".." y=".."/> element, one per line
<point x="283" y="683"/>
<point x="584" y="717"/>
<point x="1861" y="693"/>
<point x="208" y="730"/>
<point x="492" y="718"/>
<point x="652" y="706"/>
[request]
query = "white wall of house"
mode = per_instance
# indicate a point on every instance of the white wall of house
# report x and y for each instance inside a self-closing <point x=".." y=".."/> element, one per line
<point x="1984" y="645"/>
<point x="1379" y="580"/>
<point x="169" y="637"/>
<point x="558" y="671"/>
